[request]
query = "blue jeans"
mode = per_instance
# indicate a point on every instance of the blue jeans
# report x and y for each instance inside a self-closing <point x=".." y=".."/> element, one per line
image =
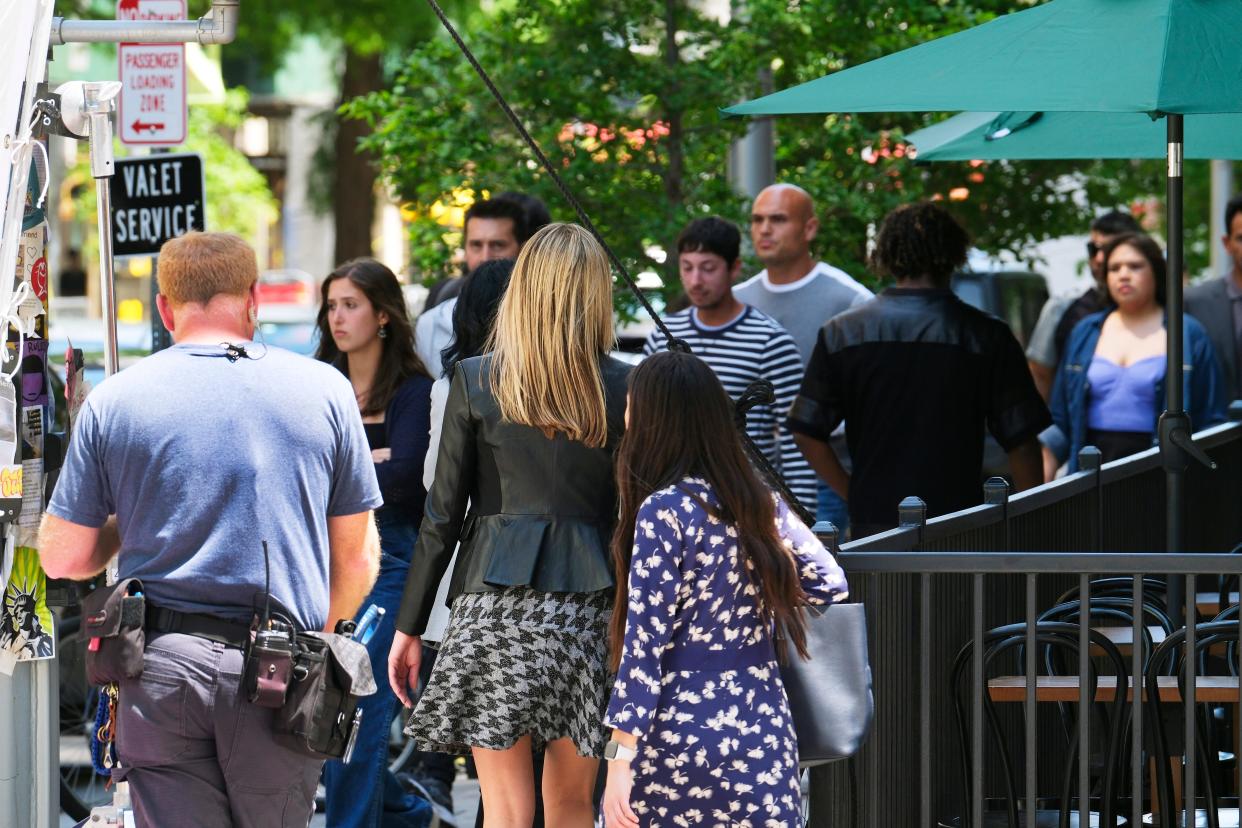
<point x="833" y="509"/>
<point x="363" y="793"/>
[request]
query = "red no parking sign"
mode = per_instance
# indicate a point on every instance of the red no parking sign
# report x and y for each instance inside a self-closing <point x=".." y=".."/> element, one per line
<point x="152" y="110"/>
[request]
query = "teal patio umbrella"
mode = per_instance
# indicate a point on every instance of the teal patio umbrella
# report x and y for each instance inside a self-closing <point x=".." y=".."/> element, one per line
<point x="1033" y="136"/>
<point x="1165" y="56"/>
<point x="1161" y="58"/>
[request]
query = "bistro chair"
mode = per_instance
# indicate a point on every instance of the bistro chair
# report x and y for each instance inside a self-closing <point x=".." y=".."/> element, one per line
<point x="1170" y="655"/>
<point x="1155" y="590"/>
<point x="1050" y="636"/>
<point x="1103" y="611"/>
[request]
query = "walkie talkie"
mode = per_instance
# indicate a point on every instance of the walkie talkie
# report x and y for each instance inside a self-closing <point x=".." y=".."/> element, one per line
<point x="269" y="662"/>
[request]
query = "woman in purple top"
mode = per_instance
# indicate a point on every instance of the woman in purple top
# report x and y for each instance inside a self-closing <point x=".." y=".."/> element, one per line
<point x="709" y="563"/>
<point x="1109" y="389"/>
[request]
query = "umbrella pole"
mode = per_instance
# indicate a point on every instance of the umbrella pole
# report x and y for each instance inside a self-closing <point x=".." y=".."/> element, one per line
<point x="1173" y="397"/>
<point x="1175" y="462"/>
<point x="1177" y="448"/>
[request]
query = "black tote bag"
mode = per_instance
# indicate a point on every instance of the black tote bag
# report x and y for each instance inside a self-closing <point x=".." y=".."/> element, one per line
<point x="830" y="693"/>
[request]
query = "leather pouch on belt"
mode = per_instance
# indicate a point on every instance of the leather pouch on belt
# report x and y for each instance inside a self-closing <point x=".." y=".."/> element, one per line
<point x="320" y="717"/>
<point x="112" y="619"/>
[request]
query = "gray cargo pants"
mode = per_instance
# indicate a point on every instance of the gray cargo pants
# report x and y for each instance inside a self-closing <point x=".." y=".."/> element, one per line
<point x="196" y="753"/>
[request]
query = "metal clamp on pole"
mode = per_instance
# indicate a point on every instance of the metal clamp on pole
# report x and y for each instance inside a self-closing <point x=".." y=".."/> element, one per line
<point x="218" y="26"/>
<point x="1177" y="447"/>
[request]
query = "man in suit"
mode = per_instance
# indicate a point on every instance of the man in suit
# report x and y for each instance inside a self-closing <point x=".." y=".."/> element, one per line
<point x="1217" y="303"/>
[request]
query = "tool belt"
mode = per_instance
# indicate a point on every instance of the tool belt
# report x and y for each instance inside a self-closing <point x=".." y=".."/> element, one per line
<point x="313" y="680"/>
<point x="117" y="620"/>
<point x="222" y="631"/>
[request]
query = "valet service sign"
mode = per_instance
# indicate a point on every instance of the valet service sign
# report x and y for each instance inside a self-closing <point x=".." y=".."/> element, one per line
<point x="155" y="198"/>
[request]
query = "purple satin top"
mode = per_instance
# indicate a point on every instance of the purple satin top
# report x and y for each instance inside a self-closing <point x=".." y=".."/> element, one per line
<point x="1123" y="399"/>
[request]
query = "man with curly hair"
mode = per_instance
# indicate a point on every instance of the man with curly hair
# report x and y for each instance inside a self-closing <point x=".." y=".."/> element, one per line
<point x="916" y="375"/>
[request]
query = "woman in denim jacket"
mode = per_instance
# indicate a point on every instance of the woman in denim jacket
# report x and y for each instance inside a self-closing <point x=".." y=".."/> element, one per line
<point x="1110" y="388"/>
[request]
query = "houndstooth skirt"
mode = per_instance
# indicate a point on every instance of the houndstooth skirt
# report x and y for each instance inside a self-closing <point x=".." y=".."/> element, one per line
<point x="519" y="662"/>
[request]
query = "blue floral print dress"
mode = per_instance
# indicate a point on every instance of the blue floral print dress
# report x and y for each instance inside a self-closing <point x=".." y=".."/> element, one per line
<point x="699" y="682"/>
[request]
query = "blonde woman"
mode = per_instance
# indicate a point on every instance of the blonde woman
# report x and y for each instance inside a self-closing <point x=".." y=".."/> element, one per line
<point x="528" y="440"/>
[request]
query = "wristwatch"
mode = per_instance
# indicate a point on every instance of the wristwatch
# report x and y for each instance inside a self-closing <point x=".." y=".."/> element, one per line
<point x="616" y="750"/>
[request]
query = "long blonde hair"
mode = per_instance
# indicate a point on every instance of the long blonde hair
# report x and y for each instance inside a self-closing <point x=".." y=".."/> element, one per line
<point x="553" y="326"/>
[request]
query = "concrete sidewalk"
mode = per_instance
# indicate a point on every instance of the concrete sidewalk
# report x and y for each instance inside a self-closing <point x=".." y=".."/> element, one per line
<point x="465" y="805"/>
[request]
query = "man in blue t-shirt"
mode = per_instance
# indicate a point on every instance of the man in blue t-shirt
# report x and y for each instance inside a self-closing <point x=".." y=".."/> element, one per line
<point x="182" y="466"/>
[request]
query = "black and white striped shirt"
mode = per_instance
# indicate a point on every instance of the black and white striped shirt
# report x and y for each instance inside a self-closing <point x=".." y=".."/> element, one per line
<point x="752" y="347"/>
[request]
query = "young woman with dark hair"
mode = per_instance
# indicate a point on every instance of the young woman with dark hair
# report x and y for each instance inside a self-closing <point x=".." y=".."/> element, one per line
<point x="365" y="332"/>
<point x="708" y="565"/>
<point x="1109" y="390"/>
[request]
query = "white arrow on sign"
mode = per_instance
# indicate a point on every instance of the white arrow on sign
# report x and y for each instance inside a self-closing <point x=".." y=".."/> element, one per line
<point x="152" y="110"/>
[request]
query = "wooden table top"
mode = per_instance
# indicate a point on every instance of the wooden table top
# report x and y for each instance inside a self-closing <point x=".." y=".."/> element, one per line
<point x="1209" y="602"/>
<point x="1123" y="636"/>
<point x="1221" y="689"/>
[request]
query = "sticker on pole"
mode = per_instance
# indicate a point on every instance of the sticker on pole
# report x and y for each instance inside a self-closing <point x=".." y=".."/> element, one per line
<point x="152" y="110"/>
<point x="155" y="198"/>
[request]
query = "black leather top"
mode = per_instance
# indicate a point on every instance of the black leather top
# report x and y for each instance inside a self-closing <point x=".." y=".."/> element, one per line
<point x="541" y="510"/>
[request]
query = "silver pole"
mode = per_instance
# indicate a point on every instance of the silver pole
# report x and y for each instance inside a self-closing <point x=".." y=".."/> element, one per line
<point x="98" y="107"/>
<point x="752" y="159"/>
<point x="98" y="103"/>
<point x="216" y="27"/>
<point x="46" y="738"/>
<point x="107" y="282"/>
<point x="1222" y="191"/>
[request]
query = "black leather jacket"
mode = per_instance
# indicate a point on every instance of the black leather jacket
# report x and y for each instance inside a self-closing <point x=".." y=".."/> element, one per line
<point x="541" y="511"/>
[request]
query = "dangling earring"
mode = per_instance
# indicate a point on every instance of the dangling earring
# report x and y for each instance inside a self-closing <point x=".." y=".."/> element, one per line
<point x="383" y="331"/>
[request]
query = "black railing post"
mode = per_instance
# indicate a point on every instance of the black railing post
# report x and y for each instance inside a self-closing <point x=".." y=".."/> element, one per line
<point x="912" y="513"/>
<point x="996" y="493"/>
<point x="828" y="535"/>
<point x="1090" y="459"/>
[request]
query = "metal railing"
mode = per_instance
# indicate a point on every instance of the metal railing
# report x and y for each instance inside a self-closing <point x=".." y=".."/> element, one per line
<point x="934" y="586"/>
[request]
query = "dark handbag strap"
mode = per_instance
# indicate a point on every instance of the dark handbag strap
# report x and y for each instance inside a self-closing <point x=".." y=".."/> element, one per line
<point x="228" y="633"/>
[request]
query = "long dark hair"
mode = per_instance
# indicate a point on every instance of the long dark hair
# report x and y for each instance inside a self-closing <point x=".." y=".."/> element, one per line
<point x="475" y="311"/>
<point x="681" y="425"/>
<point x="398" y="361"/>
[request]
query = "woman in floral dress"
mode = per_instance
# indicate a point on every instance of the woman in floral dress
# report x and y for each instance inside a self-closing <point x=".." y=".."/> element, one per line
<point x="709" y="563"/>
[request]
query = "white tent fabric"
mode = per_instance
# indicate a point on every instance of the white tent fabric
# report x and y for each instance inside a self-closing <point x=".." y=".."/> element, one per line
<point x="26" y="28"/>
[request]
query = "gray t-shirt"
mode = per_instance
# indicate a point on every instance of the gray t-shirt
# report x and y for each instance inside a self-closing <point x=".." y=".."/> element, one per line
<point x="201" y="459"/>
<point x="804" y="306"/>
<point x="1042" y="348"/>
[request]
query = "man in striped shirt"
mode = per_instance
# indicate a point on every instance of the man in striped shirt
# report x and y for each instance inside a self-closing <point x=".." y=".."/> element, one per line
<point x="740" y="344"/>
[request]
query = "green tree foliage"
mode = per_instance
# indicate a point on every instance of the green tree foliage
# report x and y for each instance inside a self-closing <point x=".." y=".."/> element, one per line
<point x="367" y="31"/>
<point x="238" y="198"/>
<point x="623" y="95"/>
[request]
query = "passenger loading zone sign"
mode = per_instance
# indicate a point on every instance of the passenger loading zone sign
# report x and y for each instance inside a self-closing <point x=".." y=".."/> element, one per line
<point x="152" y="108"/>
